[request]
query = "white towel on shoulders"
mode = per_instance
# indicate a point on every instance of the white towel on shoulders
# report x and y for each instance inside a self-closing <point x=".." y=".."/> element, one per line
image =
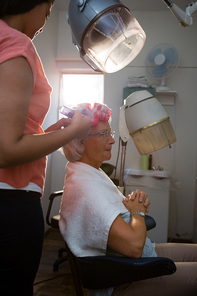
<point x="90" y="203"/>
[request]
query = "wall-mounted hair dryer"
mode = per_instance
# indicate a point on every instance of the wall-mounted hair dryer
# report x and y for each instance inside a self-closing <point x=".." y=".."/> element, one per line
<point x="184" y="17"/>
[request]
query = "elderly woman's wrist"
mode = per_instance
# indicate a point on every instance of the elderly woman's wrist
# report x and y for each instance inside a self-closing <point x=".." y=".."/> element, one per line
<point x="140" y="213"/>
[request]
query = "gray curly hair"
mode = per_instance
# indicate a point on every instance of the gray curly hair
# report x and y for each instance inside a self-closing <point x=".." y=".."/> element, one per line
<point x="73" y="151"/>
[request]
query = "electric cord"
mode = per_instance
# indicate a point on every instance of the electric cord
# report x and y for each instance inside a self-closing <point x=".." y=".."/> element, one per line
<point x="50" y="279"/>
<point x="117" y="158"/>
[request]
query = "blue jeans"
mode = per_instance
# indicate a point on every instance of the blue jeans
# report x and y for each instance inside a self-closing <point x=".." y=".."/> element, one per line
<point x="21" y="241"/>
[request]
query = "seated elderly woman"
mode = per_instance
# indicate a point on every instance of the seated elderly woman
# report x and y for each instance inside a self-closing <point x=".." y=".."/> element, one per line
<point x="96" y="219"/>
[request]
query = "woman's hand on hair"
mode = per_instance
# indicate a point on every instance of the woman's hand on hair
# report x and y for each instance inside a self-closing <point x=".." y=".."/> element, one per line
<point x="63" y="122"/>
<point x="81" y="124"/>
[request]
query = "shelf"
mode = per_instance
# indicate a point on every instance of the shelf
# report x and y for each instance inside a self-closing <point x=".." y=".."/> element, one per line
<point x="166" y="98"/>
<point x="148" y="173"/>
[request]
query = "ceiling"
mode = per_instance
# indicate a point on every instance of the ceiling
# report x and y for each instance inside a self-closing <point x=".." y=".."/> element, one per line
<point x="137" y="5"/>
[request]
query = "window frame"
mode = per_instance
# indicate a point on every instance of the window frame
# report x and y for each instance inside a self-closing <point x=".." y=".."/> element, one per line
<point x="70" y="66"/>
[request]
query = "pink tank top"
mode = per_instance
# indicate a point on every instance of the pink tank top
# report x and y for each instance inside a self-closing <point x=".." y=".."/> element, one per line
<point x="14" y="44"/>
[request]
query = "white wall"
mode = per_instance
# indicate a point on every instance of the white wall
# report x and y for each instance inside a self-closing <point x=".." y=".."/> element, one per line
<point x="180" y="160"/>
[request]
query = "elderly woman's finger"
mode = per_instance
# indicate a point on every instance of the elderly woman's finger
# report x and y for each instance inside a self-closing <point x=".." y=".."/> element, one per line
<point x="132" y="196"/>
<point x="142" y="196"/>
<point x="147" y="202"/>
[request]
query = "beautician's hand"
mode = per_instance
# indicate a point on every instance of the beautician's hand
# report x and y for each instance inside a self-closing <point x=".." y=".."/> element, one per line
<point x="81" y="124"/>
<point x="134" y="204"/>
<point x="63" y="122"/>
<point x="142" y="197"/>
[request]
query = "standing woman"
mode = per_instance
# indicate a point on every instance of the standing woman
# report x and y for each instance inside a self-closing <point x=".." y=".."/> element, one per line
<point x="24" y="102"/>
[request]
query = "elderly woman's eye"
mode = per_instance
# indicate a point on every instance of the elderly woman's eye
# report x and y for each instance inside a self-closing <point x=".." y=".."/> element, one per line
<point x="106" y="134"/>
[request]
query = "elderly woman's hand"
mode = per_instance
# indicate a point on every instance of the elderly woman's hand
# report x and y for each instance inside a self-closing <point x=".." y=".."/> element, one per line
<point x="142" y="198"/>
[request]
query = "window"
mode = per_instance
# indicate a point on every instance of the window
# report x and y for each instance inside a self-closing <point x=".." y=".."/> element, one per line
<point x="81" y="88"/>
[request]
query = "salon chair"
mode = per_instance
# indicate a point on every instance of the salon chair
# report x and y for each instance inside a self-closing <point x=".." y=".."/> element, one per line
<point x="54" y="223"/>
<point x="99" y="272"/>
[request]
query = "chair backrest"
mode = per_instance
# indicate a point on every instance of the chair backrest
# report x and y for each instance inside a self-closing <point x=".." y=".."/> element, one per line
<point x="54" y="220"/>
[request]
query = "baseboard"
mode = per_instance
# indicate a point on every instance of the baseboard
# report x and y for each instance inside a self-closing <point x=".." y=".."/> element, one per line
<point x="180" y="240"/>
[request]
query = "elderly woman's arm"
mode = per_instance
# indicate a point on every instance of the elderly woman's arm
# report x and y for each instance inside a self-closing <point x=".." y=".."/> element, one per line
<point x="125" y="239"/>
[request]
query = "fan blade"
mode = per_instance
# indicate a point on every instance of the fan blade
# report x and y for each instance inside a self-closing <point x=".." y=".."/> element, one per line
<point x="171" y="56"/>
<point x="153" y="54"/>
<point x="159" y="71"/>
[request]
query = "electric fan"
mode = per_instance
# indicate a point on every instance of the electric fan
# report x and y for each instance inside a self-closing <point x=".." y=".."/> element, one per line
<point x="161" y="62"/>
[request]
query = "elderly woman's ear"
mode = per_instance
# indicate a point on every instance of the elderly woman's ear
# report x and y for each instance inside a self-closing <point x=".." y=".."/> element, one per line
<point x="83" y="141"/>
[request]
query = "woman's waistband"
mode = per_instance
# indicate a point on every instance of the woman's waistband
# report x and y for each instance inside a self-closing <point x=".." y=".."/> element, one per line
<point x="14" y="193"/>
<point x="30" y="187"/>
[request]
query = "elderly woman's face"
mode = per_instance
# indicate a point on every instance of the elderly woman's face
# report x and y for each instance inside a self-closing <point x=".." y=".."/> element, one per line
<point x="97" y="147"/>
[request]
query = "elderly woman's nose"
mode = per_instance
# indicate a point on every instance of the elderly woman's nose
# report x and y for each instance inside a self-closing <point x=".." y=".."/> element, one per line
<point x="111" y="139"/>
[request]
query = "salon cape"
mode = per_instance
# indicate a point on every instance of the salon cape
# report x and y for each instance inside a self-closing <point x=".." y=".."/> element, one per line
<point x="90" y="204"/>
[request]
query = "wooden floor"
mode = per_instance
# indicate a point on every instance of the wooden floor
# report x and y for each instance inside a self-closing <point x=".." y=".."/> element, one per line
<point x="49" y="282"/>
